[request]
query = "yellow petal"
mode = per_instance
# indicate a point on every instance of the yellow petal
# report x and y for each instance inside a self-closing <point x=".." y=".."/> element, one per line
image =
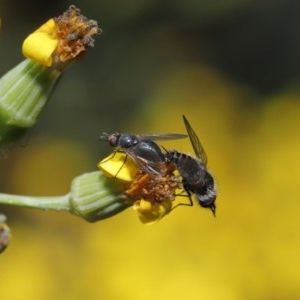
<point x="119" y="165"/>
<point x="41" y="44"/>
<point x="49" y="27"/>
<point x="150" y="213"/>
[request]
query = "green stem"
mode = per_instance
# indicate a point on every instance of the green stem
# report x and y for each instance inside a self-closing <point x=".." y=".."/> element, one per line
<point x="46" y="203"/>
<point x="92" y="197"/>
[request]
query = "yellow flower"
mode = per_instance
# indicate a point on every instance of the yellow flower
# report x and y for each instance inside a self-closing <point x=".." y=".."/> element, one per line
<point x="61" y="39"/>
<point x="41" y="44"/>
<point x="26" y="88"/>
<point x="149" y="212"/>
<point x="152" y="196"/>
<point x="119" y="165"/>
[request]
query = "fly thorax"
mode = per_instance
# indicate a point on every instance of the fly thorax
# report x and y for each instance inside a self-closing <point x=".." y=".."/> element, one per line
<point x="127" y="140"/>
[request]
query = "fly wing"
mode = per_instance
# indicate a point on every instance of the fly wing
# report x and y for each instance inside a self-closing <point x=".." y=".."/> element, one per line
<point x="149" y="167"/>
<point x="162" y="136"/>
<point x="149" y="136"/>
<point x="198" y="149"/>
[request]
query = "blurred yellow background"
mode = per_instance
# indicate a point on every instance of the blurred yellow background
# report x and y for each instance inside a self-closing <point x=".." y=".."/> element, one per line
<point x="155" y="62"/>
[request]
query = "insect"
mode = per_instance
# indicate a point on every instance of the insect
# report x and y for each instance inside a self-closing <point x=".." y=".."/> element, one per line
<point x="142" y="149"/>
<point x="195" y="177"/>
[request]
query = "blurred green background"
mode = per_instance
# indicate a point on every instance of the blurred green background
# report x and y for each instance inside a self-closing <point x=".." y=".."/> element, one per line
<point x="232" y="67"/>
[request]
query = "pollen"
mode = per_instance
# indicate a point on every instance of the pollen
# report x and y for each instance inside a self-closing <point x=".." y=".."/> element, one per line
<point x="153" y="196"/>
<point x="155" y="189"/>
<point x="75" y="33"/>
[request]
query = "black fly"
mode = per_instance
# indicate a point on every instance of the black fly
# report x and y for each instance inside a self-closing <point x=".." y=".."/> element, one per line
<point x="195" y="177"/>
<point x="142" y="149"/>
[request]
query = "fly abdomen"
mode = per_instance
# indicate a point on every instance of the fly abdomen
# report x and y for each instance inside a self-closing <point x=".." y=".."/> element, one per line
<point x="173" y="156"/>
<point x="195" y="178"/>
<point x="192" y="170"/>
<point x="207" y="195"/>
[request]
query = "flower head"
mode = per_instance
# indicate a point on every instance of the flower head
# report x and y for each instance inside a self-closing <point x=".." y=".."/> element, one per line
<point x="152" y="196"/>
<point x="25" y="89"/>
<point x="95" y="197"/>
<point x="4" y="233"/>
<point x="61" y="39"/>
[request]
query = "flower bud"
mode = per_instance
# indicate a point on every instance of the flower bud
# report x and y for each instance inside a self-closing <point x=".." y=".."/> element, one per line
<point x="95" y="197"/>
<point x="24" y="91"/>
<point x="4" y="233"/>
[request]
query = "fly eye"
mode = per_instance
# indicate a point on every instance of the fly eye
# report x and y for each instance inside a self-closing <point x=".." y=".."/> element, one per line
<point x="113" y="140"/>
